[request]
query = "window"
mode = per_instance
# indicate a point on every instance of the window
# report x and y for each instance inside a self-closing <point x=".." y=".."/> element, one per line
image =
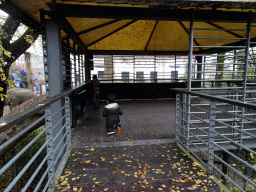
<point x="125" y="77"/>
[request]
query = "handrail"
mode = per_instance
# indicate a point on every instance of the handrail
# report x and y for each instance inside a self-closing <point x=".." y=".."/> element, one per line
<point x="10" y="121"/>
<point x="210" y="144"/>
<point x="216" y="98"/>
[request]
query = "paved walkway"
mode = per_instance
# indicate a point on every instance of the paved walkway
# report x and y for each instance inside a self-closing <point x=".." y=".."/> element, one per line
<point x="142" y="120"/>
<point x="143" y="158"/>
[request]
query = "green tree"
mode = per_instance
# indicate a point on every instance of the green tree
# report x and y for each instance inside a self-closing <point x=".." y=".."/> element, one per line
<point x="11" y="50"/>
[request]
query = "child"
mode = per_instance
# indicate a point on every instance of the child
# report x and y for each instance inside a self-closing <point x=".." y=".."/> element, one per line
<point x="112" y="112"/>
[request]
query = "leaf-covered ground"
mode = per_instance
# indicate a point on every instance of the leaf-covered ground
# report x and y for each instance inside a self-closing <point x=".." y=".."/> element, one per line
<point x="150" y="167"/>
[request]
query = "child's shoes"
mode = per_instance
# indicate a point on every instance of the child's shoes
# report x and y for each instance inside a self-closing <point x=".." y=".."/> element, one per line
<point x="119" y="130"/>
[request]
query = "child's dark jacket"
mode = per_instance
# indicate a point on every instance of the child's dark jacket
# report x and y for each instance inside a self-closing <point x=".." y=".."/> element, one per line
<point x="112" y="112"/>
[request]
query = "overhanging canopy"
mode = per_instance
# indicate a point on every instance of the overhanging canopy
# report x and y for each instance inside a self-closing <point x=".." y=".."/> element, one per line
<point x="140" y="26"/>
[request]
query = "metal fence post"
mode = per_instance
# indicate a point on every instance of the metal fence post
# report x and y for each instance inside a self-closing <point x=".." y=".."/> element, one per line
<point x="177" y="119"/>
<point x="68" y="124"/>
<point x="187" y="107"/>
<point x="184" y="123"/>
<point x="211" y="136"/>
<point x="50" y="146"/>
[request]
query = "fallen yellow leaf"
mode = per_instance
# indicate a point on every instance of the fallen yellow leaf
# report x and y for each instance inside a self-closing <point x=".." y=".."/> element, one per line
<point x="92" y="149"/>
<point x="2" y="124"/>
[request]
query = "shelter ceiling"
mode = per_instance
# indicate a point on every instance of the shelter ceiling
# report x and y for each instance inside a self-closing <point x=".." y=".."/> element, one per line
<point x="102" y="33"/>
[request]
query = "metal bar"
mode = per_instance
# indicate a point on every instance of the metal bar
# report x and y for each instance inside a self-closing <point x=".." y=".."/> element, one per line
<point x="22" y="132"/>
<point x="65" y="156"/>
<point x="50" y="147"/>
<point x="236" y="143"/>
<point x="240" y="47"/>
<point x="239" y="130"/>
<point x="210" y="63"/>
<point x="214" y="29"/>
<point x="222" y="80"/>
<point x="35" y="173"/>
<point x="224" y="100"/>
<point x="211" y="137"/>
<point x="56" y="113"/>
<point x="42" y="178"/>
<point x="68" y="121"/>
<point x="59" y="154"/>
<point x="48" y="183"/>
<point x="190" y="51"/>
<point x="25" y="168"/>
<point x="58" y="124"/>
<point x="193" y="145"/>
<point x="63" y="127"/>
<point x="224" y="175"/>
<point x="3" y="169"/>
<point x="241" y="116"/>
<point x="227" y="38"/>
<point x="57" y="147"/>
<point x="227" y="71"/>
<point x="216" y="88"/>
<point x="210" y="55"/>
<point x="197" y="128"/>
<point x="238" y="158"/>
<point x="177" y="117"/>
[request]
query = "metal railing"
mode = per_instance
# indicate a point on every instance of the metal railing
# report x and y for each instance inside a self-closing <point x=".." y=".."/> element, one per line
<point x="140" y="68"/>
<point x="215" y="130"/>
<point x="54" y="145"/>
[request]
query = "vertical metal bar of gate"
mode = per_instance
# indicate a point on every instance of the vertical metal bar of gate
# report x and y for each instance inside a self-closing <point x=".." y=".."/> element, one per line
<point x="184" y="118"/>
<point x="178" y="118"/>
<point x="68" y="121"/>
<point x="189" y="75"/>
<point x="245" y="73"/>
<point x="50" y="146"/>
<point x="212" y="118"/>
<point x="189" y="69"/>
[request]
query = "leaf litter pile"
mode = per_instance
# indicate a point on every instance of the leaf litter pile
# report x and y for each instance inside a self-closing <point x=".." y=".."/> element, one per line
<point x="153" y="167"/>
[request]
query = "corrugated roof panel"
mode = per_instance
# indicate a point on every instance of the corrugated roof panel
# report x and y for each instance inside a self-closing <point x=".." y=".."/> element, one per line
<point x="133" y="37"/>
<point x="97" y="34"/>
<point x="169" y="36"/>
<point x="82" y="24"/>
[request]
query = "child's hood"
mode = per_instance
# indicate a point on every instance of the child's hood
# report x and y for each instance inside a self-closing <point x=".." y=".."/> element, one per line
<point x="112" y="106"/>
